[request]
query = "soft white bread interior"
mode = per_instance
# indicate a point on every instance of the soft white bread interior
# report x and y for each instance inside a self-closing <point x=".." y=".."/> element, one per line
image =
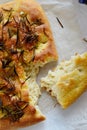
<point x="68" y="81"/>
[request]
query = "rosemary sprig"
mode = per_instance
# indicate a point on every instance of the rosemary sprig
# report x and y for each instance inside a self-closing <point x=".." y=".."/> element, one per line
<point x="17" y="40"/>
<point x="9" y="32"/>
<point x="8" y="20"/>
<point x="1" y="46"/>
<point x="37" y="22"/>
<point x="27" y="20"/>
<point x="59" y="22"/>
<point x="7" y="10"/>
<point x="1" y="103"/>
<point x="10" y="86"/>
<point x="14" y="111"/>
<point x="1" y="17"/>
<point x="26" y="80"/>
<point x="30" y="38"/>
<point x="6" y="62"/>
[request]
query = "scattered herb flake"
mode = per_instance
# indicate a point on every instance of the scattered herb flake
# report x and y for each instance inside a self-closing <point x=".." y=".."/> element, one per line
<point x="1" y="17"/>
<point x="17" y="41"/>
<point x="59" y="22"/>
<point x="7" y="10"/>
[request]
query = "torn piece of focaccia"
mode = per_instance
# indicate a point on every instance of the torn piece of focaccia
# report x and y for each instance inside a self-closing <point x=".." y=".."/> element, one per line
<point x="68" y="81"/>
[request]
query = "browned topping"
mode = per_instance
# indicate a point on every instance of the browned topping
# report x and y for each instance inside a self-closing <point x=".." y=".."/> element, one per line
<point x="13" y="111"/>
<point x="5" y="62"/>
<point x="7" y="10"/>
<point x="8" y="19"/>
<point x="1" y="17"/>
<point x="18" y="42"/>
<point x="29" y="38"/>
<point x="37" y="22"/>
<point x="18" y="33"/>
<point x="1" y="45"/>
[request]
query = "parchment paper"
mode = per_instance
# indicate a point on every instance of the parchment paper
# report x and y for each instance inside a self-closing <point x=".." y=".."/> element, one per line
<point x="68" y="42"/>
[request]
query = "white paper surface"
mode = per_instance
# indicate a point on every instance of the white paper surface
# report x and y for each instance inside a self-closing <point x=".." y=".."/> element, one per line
<point x="68" y="42"/>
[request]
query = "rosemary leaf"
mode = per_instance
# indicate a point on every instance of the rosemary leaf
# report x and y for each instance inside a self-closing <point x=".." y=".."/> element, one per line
<point x="17" y="41"/>
<point x="7" y="10"/>
<point x="1" y="17"/>
<point x="59" y="22"/>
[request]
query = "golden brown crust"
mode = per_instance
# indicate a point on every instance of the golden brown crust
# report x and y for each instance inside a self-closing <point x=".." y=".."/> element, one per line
<point x="30" y="117"/>
<point x="46" y="52"/>
<point x="31" y="114"/>
<point x="49" y="53"/>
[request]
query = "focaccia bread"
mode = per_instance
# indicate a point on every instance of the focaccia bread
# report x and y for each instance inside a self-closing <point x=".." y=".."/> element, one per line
<point x="26" y="43"/>
<point x="68" y="81"/>
<point x="18" y="99"/>
<point x="25" y="32"/>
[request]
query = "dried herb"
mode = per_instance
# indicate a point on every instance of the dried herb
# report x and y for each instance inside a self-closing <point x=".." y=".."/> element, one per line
<point x="30" y="38"/>
<point x="6" y="62"/>
<point x="1" y="17"/>
<point x="24" y="17"/>
<point x="14" y="111"/>
<point x="13" y="51"/>
<point x="11" y="72"/>
<point x="27" y="20"/>
<point x="17" y="40"/>
<point x="10" y="89"/>
<point x="21" y="104"/>
<point x="8" y="19"/>
<point x="25" y="25"/>
<point x="1" y="103"/>
<point x="15" y="71"/>
<point x="2" y="38"/>
<point x="59" y="22"/>
<point x="11" y="32"/>
<point x="16" y="21"/>
<point x="16" y="115"/>
<point x="1" y="46"/>
<point x="2" y="86"/>
<point x="37" y="22"/>
<point x="7" y="87"/>
<point x="26" y="79"/>
<point x="7" y="10"/>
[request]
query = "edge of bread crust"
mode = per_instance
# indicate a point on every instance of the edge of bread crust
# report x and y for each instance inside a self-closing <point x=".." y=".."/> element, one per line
<point x="33" y="115"/>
